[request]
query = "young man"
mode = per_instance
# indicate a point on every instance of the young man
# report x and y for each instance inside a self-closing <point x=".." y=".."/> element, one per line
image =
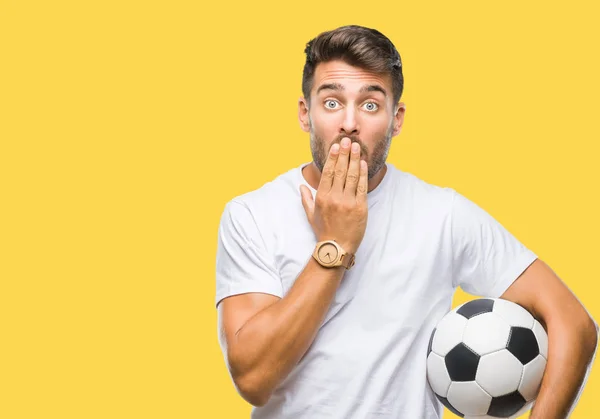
<point x="323" y="314"/>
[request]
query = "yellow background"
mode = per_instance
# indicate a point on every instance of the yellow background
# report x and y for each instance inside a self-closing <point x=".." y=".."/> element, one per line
<point x="125" y="127"/>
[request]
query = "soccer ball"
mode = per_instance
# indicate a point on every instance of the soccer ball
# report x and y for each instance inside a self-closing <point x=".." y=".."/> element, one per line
<point x="486" y="359"/>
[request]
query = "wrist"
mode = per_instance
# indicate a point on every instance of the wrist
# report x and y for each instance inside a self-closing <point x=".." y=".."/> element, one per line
<point x="348" y="248"/>
<point x="334" y="274"/>
<point x="331" y="253"/>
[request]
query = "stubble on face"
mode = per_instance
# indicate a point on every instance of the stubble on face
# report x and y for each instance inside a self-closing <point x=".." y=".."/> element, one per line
<point x="375" y="160"/>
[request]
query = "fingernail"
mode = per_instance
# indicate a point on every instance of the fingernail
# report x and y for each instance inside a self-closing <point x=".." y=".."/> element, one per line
<point x="345" y="142"/>
<point x="335" y="148"/>
<point x="355" y="147"/>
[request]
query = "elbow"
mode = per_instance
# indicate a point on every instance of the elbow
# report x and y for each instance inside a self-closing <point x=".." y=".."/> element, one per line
<point x="590" y="336"/>
<point x="252" y="390"/>
<point x="255" y="399"/>
<point x="252" y="381"/>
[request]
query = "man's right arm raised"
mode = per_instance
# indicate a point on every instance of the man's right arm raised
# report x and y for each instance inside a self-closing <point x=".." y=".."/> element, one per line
<point x="263" y="336"/>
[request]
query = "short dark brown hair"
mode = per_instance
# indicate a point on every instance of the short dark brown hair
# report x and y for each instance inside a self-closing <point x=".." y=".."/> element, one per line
<point x="358" y="46"/>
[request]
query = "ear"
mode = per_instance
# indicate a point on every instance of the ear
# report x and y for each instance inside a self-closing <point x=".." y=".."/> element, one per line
<point x="399" y="118"/>
<point x="303" y="114"/>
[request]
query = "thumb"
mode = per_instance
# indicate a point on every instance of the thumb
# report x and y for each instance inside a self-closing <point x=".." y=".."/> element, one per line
<point x="307" y="201"/>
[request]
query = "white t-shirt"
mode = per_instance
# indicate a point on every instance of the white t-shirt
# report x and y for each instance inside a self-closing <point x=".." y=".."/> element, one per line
<point x="368" y="359"/>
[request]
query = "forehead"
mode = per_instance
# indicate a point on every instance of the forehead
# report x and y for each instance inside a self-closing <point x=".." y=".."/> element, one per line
<point x="350" y="77"/>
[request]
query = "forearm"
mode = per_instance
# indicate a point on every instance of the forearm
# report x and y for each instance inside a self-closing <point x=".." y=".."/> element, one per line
<point x="268" y="346"/>
<point x="570" y="353"/>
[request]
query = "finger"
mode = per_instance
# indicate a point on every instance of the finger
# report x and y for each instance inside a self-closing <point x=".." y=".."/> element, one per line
<point x="341" y="166"/>
<point x="307" y="201"/>
<point x="328" y="172"/>
<point x="353" y="171"/>
<point x="363" y="182"/>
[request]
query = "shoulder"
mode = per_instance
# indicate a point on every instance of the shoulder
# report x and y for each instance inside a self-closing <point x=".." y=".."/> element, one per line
<point x="419" y="192"/>
<point x="282" y="186"/>
<point x="261" y="205"/>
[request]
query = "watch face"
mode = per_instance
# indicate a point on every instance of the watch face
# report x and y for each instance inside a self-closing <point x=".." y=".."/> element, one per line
<point x="328" y="253"/>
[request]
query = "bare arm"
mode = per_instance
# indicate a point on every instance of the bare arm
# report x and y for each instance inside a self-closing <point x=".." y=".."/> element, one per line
<point x="572" y="338"/>
<point x="568" y="362"/>
<point x="263" y="349"/>
<point x="264" y="336"/>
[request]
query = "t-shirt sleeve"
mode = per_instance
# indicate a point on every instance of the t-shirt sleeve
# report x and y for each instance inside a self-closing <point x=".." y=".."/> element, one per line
<point x="487" y="258"/>
<point x="243" y="264"/>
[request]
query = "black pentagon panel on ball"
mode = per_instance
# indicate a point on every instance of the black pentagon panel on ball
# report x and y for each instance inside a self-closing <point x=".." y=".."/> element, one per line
<point x="476" y="307"/>
<point x="430" y="342"/>
<point x="451" y="408"/>
<point x="523" y="344"/>
<point x="461" y="363"/>
<point x="507" y="405"/>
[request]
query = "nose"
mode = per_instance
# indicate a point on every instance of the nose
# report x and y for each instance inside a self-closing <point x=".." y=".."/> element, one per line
<point x="349" y="124"/>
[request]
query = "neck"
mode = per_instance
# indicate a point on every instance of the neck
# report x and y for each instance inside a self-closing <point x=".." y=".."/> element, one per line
<point x="312" y="175"/>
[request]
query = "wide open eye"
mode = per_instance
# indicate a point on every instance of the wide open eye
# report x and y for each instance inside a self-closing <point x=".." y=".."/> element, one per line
<point x="330" y="101"/>
<point x="373" y="106"/>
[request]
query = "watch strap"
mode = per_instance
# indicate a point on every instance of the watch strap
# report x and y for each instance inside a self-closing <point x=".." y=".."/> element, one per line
<point x="347" y="260"/>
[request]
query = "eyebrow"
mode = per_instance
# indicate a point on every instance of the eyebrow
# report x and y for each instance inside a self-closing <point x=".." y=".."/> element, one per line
<point x="365" y="88"/>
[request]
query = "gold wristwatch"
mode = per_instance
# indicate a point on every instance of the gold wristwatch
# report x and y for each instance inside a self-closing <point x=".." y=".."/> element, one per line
<point x="329" y="254"/>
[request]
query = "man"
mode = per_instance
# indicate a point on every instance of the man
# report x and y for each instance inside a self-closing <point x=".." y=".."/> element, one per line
<point x="323" y="314"/>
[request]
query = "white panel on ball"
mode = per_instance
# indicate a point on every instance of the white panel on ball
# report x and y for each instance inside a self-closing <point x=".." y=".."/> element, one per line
<point x="499" y="373"/>
<point x="542" y="338"/>
<point x="532" y="378"/>
<point x="486" y="333"/>
<point x="448" y="334"/>
<point x="512" y="313"/>
<point x="437" y="374"/>
<point x="468" y="398"/>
